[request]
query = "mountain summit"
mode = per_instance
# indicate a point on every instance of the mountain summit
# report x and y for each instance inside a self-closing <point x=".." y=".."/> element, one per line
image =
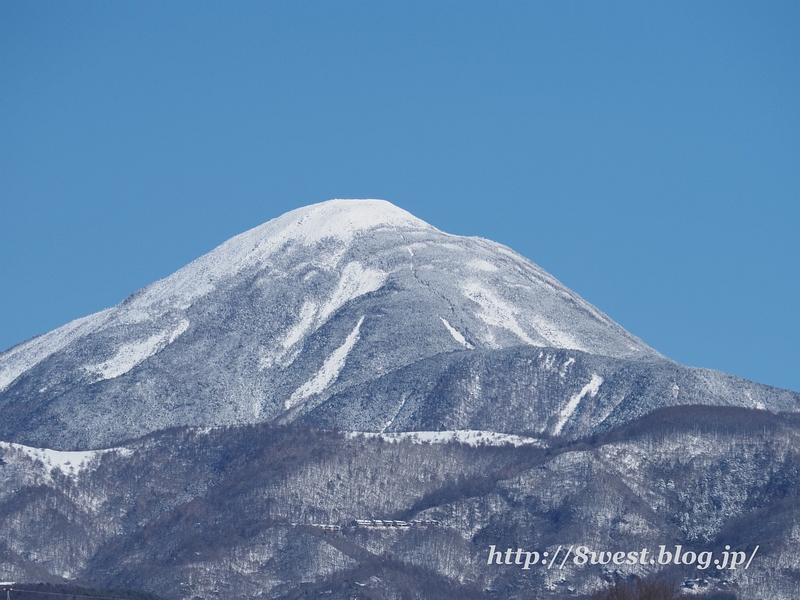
<point x="347" y="402"/>
<point x="351" y="314"/>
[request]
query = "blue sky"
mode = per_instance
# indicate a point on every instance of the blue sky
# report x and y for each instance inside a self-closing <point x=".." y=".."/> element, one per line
<point x="645" y="154"/>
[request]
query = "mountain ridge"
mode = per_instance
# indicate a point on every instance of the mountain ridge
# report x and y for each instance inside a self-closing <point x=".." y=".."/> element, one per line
<point x="366" y="410"/>
<point x="282" y="320"/>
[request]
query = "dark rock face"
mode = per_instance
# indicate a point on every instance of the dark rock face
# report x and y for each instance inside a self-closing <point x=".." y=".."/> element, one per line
<point x="497" y="409"/>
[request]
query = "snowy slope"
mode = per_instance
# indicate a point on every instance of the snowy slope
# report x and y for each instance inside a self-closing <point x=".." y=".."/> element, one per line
<point x="277" y="321"/>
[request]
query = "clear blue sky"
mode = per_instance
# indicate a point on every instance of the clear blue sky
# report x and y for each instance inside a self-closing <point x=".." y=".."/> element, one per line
<point x="646" y="154"/>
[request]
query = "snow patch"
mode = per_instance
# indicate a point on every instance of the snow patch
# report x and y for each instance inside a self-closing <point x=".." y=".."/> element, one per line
<point x="566" y="412"/>
<point x="131" y="355"/>
<point x="329" y="371"/>
<point x="456" y="335"/>
<point x="403" y="400"/>
<point x="471" y="437"/>
<point x="295" y="334"/>
<point x="27" y="355"/>
<point x="555" y="337"/>
<point x="355" y="281"/>
<point x="495" y="311"/>
<point x="304" y="322"/>
<point x="757" y="404"/>
<point x="551" y="283"/>
<point x="563" y="372"/>
<point x="69" y="463"/>
<point x="482" y="265"/>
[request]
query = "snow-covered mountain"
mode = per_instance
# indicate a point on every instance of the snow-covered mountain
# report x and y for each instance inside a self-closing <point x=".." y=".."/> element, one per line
<point x="348" y="402"/>
<point x="310" y="314"/>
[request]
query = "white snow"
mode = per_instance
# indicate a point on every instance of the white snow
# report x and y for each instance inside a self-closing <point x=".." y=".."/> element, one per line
<point x="566" y="412"/>
<point x="295" y="334"/>
<point x="344" y="219"/>
<point x="482" y="265"/>
<point x="303" y="324"/>
<point x="754" y="403"/>
<point x="131" y="355"/>
<point x="403" y="400"/>
<point x="456" y="335"/>
<point x="555" y="336"/>
<point x="329" y="371"/>
<point x="495" y="311"/>
<point x="27" y="355"/>
<point x="69" y="463"/>
<point x="547" y="329"/>
<point x="336" y="224"/>
<point x="472" y="437"/>
<point x="354" y="282"/>
<point x="565" y="366"/>
<point x="337" y="220"/>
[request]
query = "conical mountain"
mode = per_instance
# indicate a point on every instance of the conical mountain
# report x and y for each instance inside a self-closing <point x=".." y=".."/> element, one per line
<point x="351" y="314"/>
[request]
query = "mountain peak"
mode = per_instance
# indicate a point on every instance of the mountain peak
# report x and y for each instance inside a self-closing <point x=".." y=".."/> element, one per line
<point x="341" y="220"/>
<point x="285" y="316"/>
